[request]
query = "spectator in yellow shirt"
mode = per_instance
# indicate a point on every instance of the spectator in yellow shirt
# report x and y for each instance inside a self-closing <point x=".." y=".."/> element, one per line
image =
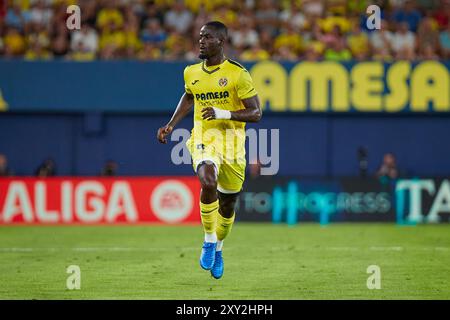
<point x="338" y="7"/>
<point x="132" y="42"/>
<point x="289" y="38"/>
<point x="225" y="15"/>
<point x="149" y="51"/>
<point x="338" y="52"/>
<point x="172" y="42"/>
<point x="112" y="40"/>
<point x="196" y="5"/>
<point x="254" y="53"/>
<point x="110" y="13"/>
<point x="358" y="42"/>
<point x="37" y="52"/>
<point x="208" y="5"/>
<point x="14" y="43"/>
<point x="39" y="33"/>
<point x="331" y="21"/>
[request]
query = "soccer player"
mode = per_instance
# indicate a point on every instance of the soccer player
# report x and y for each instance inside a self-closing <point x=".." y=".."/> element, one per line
<point x="224" y="99"/>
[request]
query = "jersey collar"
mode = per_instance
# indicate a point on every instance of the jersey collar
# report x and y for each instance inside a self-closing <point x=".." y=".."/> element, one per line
<point x="204" y="68"/>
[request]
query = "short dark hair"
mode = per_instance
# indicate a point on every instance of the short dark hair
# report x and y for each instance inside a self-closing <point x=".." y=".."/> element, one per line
<point x="219" y="27"/>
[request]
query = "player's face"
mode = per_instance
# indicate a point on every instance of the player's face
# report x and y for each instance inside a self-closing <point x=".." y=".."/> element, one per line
<point x="209" y="43"/>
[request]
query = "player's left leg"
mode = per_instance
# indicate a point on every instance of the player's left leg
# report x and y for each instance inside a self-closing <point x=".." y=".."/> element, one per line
<point x="225" y="220"/>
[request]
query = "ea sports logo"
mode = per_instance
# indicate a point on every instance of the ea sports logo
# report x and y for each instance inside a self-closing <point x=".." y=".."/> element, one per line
<point x="171" y="201"/>
<point x="223" y="82"/>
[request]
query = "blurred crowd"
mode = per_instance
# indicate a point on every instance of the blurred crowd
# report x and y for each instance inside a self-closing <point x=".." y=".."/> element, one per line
<point x="48" y="168"/>
<point x="287" y="30"/>
<point x="387" y="171"/>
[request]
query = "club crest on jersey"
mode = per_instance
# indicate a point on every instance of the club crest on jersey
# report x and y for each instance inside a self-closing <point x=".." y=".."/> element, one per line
<point x="223" y="82"/>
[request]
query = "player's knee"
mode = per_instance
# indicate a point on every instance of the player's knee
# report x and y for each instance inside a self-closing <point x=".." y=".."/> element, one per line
<point x="208" y="182"/>
<point x="208" y="177"/>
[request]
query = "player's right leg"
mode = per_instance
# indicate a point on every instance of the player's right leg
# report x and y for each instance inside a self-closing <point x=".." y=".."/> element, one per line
<point x="229" y="185"/>
<point x="209" y="208"/>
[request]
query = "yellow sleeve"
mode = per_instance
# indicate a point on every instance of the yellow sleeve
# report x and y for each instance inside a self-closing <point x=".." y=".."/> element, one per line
<point x="244" y="85"/>
<point x="186" y="87"/>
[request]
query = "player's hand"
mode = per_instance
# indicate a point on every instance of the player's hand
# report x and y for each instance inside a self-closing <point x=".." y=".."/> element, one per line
<point x="208" y="113"/>
<point x="163" y="132"/>
<point x="211" y="113"/>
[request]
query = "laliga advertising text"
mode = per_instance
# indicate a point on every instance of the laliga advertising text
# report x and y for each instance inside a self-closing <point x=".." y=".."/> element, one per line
<point x="258" y="146"/>
<point x="98" y="200"/>
<point x="84" y="201"/>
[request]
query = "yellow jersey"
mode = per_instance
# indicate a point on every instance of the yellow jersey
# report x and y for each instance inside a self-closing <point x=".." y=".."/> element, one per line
<point x="222" y="86"/>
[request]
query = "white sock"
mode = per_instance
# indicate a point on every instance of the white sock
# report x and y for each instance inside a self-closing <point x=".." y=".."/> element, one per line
<point x="210" y="237"/>
<point x="219" y="245"/>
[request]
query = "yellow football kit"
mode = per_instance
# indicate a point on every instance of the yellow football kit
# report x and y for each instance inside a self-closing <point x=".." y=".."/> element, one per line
<point x="219" y="141"/>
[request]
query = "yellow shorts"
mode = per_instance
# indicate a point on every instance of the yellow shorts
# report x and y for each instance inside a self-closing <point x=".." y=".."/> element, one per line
<point x="231" y="173"/>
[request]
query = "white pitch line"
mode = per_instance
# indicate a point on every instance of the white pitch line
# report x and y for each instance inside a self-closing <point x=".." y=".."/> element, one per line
<point x="343" y="248"/>
<point x="386" y="248"/>
<point x="16" y="249"/>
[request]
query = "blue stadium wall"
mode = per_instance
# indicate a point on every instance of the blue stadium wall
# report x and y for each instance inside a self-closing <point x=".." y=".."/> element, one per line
<point x="82" y="114"/>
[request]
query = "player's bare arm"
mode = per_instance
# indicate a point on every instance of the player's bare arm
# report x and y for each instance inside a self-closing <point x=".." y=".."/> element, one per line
<point x="251" y="113"/>
<point x="183" y="108"/>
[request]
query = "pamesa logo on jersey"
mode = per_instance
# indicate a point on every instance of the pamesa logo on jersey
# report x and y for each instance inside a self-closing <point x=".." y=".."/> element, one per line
<point x="212" y="95"/>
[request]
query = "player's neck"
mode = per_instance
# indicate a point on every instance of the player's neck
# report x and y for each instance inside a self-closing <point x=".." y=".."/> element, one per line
<point x="215" y="60"/>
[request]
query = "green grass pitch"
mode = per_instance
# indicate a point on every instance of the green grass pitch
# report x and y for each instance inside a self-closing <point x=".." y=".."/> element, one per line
<point x="262" y="261"/>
